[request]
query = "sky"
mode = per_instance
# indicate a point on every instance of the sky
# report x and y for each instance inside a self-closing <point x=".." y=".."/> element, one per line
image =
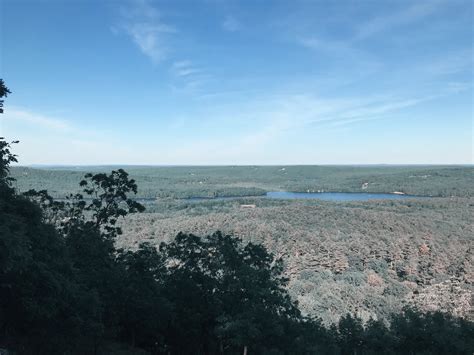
<point x="217" y="82"/>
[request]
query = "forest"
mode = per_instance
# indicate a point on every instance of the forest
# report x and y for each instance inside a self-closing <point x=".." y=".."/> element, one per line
<point x="369" y="258"/>
<point x="188" y="181"/>
<point x="66" y="289"/>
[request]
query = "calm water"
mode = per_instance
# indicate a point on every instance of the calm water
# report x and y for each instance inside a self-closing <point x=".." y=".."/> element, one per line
<point x="336" y="196"/>
<point x="327" y="196"/>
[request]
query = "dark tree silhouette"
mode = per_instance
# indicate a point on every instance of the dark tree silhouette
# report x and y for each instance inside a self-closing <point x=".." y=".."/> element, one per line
<point x="4" y="91"/>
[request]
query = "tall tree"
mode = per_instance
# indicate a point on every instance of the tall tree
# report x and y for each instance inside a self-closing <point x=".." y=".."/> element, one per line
<point x="227" y="291"/>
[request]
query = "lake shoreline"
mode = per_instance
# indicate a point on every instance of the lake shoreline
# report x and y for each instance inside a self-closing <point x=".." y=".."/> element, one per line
<point x="326" y="196"/>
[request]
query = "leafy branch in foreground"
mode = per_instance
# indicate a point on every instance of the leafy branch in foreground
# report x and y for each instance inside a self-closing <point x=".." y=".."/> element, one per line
<point x="6" y="159"/>
<point x="4" y="91"/>
<point x="110" y="198"/>
<point x="103" y="201"/>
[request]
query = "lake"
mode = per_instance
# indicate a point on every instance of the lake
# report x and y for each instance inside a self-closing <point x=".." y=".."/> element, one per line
<point x="336" y="196"/>
<point x="326" y="196"/>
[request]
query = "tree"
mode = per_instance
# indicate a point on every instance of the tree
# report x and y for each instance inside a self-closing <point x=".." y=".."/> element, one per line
<point x="6" y="156"/>
<point x="42" y="304"/>
<point x="351" y="334"/>
<point x="229" y="295"/>
<point x="144" y="311"/>
<point x="58" y="275"/>
<point x="377" y="338"/>
<point x="431" y="333"/>
<point x="4" y="91"/>
<point x="6" y="159"/>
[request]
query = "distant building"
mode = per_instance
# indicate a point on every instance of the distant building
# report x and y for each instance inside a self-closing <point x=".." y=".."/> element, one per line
<point x="248" y="206"/>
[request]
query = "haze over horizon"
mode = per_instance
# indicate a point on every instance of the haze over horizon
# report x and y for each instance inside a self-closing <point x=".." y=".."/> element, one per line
<point x="141" y="82"/>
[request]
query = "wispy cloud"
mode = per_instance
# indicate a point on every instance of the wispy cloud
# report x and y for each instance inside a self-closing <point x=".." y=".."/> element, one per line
<point x="184" y="68"/>
<point x="340" y="112"/>
<point x="231" y="24"/>
<point x="50" y="140"/>
<point x="19" y="114"/>
<point x="340" y="50"/>
<point x="144" y="24"/>
<point x="334" y="47"/>
<point x="362" y="62"/>
<point x="380" y="24"/>
<point x="188" y="76"/>
<point x="457" y="87"/>
<point x="298" y="112"/>
<point x="375" y="112"/>
<point x="350" y="46"/>
<point x="274" y="119"/>
<point x="450" y="63"/>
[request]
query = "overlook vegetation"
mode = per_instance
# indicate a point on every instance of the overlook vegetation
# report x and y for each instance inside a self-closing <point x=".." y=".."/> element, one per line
<point x="90" y="273"/>
<point x="370" y="258"/>
<point x="67" y="290"/>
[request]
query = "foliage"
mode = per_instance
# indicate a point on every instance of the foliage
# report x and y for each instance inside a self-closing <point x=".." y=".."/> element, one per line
<point x="67" y="289"/>
<point x="343" y="257"/>
<point x="225" y="293"/>
<point x="3" y="93"/>
<point x="6" y="158"/>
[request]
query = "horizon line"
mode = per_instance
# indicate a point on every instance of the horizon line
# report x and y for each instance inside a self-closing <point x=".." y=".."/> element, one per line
<point x="239" y="165"/>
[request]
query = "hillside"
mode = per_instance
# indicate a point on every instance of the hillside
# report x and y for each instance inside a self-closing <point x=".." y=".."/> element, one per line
<point x="370" y="258"/>
<point x="183" y="182"/>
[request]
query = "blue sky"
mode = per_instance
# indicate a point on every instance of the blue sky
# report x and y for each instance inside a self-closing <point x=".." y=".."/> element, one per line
<point x="238" y="82"/>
